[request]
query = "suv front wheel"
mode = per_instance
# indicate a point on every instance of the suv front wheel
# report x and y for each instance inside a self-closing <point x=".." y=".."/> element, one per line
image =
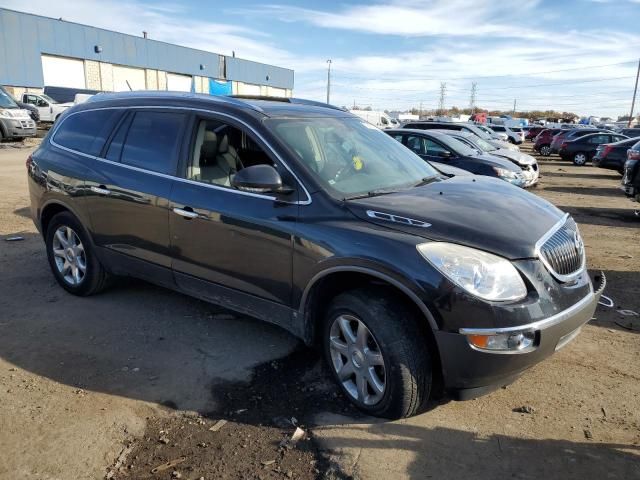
<point x="71" y="256"/>
<point x="377" y="353"/>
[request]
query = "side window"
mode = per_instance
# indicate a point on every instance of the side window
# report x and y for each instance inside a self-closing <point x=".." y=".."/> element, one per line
<point x="384" y="121"/>
<point x="433" y="148"/>
<point x="86" y="132"/>
<point x="398" y="138"/>
<point x="416" y="145"/>
<point x="598" y="139"/>
<point x="221" y="150"/>
<point x="31" y="99"/>
<point x="153" y="141"/>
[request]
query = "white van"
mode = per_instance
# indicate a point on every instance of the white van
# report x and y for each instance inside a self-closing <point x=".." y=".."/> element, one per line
<point x="379" y="119"/>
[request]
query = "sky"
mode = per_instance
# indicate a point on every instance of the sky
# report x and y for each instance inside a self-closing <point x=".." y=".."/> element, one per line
<point x="572" y="55"/>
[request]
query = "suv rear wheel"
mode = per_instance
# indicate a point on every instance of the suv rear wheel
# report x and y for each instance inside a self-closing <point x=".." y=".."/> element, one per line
<point x="71" y="256"/>
<point x="545" y="150"/>
<point x="377" y="353"/>
<point x="580" y="158"/>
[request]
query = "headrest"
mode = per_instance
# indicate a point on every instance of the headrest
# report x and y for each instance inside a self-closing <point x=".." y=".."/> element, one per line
<point x="224" y="145"/>
<point x="209" y="145"/>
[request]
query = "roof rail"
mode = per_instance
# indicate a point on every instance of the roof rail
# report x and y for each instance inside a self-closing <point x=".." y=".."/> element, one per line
<point x="295" y="101"/>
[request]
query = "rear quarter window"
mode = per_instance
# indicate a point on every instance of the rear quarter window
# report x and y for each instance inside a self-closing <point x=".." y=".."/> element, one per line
<point x="86" y="132"/>
<point x="153" y="141"/>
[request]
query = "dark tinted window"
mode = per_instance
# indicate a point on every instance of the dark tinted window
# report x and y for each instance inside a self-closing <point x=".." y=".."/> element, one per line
<point x="86" y="132"/>
<point x="115" y="147"/>
<point x="153" y="140"/>
<point x="598" y="139"/>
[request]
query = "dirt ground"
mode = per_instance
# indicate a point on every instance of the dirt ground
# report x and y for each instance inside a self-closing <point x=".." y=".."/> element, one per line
<point x="117" y="385"/>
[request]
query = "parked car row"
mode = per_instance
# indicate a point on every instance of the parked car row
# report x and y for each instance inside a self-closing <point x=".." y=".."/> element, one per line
<point x="411" y="282"/>
<point x="468" y="147"/>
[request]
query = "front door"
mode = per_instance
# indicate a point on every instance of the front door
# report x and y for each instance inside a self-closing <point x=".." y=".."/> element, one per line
<point x="230" y="246"/>
<point x="128" y="191"/>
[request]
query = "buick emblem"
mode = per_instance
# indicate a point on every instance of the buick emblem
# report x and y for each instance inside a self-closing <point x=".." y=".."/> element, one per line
<point x="577" y="241"/>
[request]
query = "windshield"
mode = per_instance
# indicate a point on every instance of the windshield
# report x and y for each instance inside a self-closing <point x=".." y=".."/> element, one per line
<point x="458" y="146"/>
<point x="484" y="145"/>
<point x="6" y="101"/>
<point x="48" y="98"/>
<point x="482" y="132"/>
<point x="350" y="157"/>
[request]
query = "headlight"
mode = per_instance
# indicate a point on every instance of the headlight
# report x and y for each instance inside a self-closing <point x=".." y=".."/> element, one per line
<point x="5" y="113"/>
<point x="480" y="273"/>
<point x="509" y="175"/>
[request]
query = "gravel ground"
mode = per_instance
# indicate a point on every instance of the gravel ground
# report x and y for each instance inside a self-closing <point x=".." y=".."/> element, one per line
<point x="119" y="384"/>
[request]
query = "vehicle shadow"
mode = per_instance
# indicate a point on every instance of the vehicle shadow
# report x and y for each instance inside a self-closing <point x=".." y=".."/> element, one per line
<point x="134" y="340"/>
<point x="597" y="191"/>
<point x="609" y="217"/>
<point x="444" y="453"/>
<point x="623" y="288"/>
<point x="24" y="212"/>
<point x="594" y="176"/>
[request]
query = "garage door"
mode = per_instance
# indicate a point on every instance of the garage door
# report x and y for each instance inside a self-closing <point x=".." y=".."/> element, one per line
<point x="178" y="83"/>
<point x="63" y="72"/>
<point x="134" y="77"/>
<point x="247" y="89"/>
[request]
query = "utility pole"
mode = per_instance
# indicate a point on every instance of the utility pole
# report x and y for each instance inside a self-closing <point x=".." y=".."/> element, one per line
<point x="514" y="106"/>
<point x="635" y="91"/>
<point x="420" y="114"/>
<point x="329" y="81"/>
<point x="472" y="102"/>
<point x="443" y="91"/>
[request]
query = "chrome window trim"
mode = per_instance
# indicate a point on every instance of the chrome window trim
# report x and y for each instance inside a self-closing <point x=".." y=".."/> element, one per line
<point x="173" y="177"/>
<point x="538" y="253"/>
<point x="540" y="324"/>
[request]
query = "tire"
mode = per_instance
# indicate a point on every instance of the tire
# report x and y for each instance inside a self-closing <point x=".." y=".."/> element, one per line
<point x="88" y="281"/>
<point x="512" y="141"/>
<point x="580" y="158"/>
<point x="545" y="150"/>
<point x="395" y="349"/>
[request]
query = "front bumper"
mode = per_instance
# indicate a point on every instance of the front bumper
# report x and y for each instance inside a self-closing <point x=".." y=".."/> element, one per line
<point x="20" y="127"/>
<point x="470" y="372"/>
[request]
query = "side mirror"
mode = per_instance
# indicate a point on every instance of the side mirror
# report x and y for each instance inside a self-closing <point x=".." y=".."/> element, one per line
<point x="445" y="154"/>
<point x="259" y="179"/>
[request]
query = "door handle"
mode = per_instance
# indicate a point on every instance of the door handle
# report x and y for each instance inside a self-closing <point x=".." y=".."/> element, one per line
<point x="186" y="212"/>
<point x="101" y="190"/>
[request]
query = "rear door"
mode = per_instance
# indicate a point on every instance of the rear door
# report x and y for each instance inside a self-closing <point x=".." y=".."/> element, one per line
<point x="129" y="189"/>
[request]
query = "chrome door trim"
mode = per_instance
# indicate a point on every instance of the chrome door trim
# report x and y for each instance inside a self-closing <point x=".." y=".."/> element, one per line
<point x="308" y="201"/>
<point x="185" y="213"/>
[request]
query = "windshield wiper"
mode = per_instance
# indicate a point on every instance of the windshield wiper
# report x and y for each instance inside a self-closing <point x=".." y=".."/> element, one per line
<point x="372" y="193"/>
<point x="426" y="181"/>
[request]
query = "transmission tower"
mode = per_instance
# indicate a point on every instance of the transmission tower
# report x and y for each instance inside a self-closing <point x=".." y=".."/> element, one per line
<point x="472" y="101"/>
<point x="443" y="91"/>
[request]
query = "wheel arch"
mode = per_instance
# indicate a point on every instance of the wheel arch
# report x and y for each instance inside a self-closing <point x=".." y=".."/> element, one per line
<point x="328" y="283"/>
<point x="51" y="209"/>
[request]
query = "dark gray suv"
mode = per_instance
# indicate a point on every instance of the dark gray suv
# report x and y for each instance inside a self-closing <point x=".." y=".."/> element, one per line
<point x="307" y="217"/>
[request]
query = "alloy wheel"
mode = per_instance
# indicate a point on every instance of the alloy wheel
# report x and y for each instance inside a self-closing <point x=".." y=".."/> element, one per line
<point x="69" y="255"/>
<point x="545" y="151"/>
<point x="357" y="359"/>
<point x="580" y="159"/>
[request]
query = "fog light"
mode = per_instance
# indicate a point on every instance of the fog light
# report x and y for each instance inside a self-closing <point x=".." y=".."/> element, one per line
<point x="505" y="342"/>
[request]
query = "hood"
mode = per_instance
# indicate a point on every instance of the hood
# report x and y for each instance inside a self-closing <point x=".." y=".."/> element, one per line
<point x="496" y="161"/>
<point x="517" y="157"/>
<point x="479" y="212"/>
<point x="504" y="145"/>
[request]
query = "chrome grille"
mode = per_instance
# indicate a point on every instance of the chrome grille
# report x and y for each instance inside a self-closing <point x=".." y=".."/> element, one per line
<point x="562" y="250"/>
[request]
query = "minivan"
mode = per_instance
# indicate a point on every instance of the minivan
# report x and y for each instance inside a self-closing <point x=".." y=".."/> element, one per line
<point x="413" y="284"/>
